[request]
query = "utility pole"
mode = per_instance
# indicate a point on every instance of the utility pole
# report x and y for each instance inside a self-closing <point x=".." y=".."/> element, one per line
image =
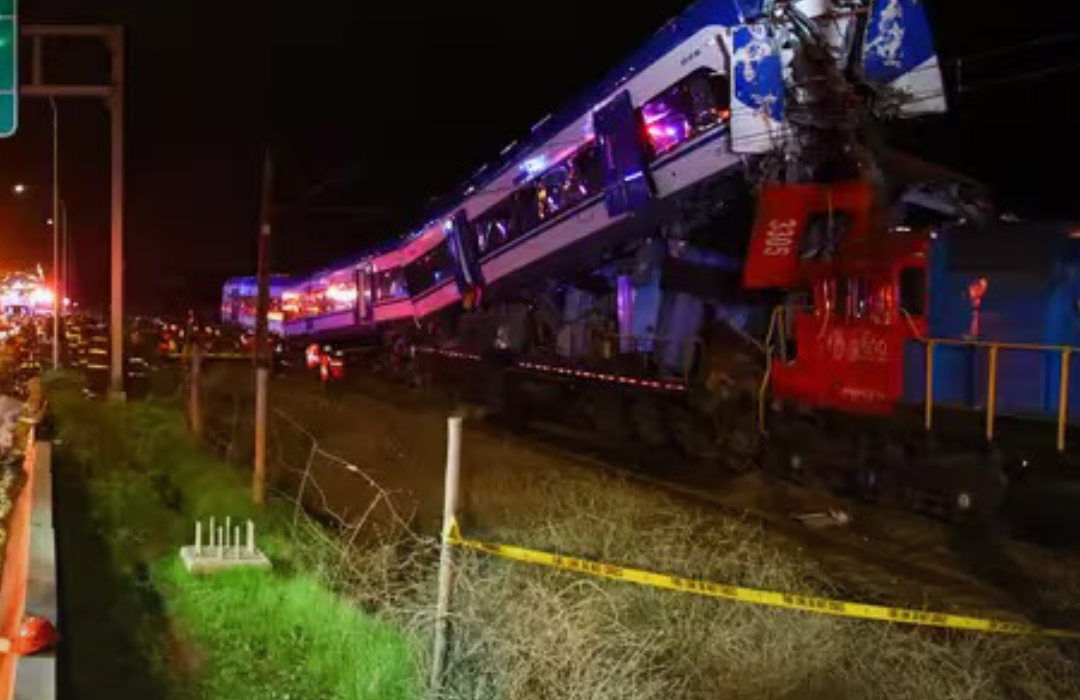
<point x="262" y="332"/>
<point x="64" y="260"/>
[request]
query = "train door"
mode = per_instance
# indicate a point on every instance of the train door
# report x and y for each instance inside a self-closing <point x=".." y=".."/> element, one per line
<point x="627" y="186"/>
<point x="364" y="295"/>
<point x="467" y="270"/>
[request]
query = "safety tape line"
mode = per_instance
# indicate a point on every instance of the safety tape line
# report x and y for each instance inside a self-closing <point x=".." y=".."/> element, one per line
<point x="812" y="604"/>
<point x="567" y="371"/>
<point x="214" y="356"/>
<point x="449" y="353"/>
<point x="598" y="376"/>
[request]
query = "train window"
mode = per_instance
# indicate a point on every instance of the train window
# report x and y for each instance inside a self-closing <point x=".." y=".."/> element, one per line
<point x="913" y="290"/>
<point x="527" y="207"/>
<point x="853" y="297"/>
<point x="562" y="187"/>
<point x="551" y="196"/>
<point x="390" y="284"/>
<point x="824" y="233"/>
<point x="311" y="302"/>
<point x="431" y="268"/>
<point x="570" y="182"/>
<point x="588" y="170"/>
<point x="496" y="227"/>
<point x="840" y="289"/>
<point x="690" y="107"/>
<point x="340" y="295"/>
<point x="290" y="305"/>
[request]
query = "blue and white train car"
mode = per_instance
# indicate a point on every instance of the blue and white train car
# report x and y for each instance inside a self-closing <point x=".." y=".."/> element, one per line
<point x="240" y="298"/>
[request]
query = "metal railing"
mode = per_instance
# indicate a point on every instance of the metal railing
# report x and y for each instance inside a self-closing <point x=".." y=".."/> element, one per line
<point x="776" y="340"/>
<point x="994" y="350"/>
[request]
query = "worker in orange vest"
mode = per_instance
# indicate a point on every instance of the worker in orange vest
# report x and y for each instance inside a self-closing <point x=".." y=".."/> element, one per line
<point x="324" y="369"/>
<point x="337" y="366"/>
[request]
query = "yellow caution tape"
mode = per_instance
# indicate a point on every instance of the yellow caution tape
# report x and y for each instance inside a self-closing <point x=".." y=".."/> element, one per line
<point x="213" y="356"/>
<point x="812" y="604"/>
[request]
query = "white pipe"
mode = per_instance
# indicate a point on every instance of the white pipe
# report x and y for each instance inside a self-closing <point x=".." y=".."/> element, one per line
<point x="446" y="580"/>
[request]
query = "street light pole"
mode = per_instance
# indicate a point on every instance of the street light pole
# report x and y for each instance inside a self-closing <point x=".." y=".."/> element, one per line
<point x="65" y="265"/>
<point x="56" y="234"/>
<point x="116" y="107"/>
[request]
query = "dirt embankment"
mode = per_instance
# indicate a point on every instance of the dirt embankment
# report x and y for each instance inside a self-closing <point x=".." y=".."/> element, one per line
<point x="399" y="440"/>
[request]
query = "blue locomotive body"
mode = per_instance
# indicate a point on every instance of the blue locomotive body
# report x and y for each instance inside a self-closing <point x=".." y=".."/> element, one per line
<point x="1003" y="317"/>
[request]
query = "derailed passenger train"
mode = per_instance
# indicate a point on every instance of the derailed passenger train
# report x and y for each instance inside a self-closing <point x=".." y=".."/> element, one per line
<point x="709" y="248"/>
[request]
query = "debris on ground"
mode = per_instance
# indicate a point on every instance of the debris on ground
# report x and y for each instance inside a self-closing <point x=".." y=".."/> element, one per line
<point x="833" y="517"/>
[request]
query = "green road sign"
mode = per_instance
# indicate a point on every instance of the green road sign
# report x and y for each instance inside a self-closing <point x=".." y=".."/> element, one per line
<point x="9" y="67"/>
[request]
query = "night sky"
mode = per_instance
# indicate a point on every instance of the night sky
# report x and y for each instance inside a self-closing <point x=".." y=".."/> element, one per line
<point x="375" y="108"/>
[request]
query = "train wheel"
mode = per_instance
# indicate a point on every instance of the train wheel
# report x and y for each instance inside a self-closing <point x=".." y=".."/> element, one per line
<point x="981" y="491"/>
<point x="781" y="461"/>
<point x="692" y="433"/>
<point x="875" y="460"/>
<point x="648" y="422"/>
<point x="739" y="434"/>
<point x="604" y="411"/>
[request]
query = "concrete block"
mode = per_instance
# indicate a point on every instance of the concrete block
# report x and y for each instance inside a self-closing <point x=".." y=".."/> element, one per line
<point x="225" y="549"/>
<point x="208" y="562"/>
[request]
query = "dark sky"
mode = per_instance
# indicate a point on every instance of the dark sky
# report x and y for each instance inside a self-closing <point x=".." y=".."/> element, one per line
<point x="389" y="104"/>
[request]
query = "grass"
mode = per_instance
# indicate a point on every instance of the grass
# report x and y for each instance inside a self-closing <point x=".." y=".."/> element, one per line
<point x="234" y="636"/>
<point x="285" y="638"/>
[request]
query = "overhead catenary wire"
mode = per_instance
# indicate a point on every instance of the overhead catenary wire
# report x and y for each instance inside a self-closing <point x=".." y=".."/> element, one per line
<point x="1051" y="40"/>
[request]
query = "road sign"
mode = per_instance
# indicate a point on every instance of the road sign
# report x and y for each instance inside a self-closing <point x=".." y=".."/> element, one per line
<point x="9" y="67"/>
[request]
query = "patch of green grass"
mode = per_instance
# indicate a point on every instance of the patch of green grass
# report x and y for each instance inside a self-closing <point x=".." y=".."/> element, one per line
<point x="256" y="635"/>
<point x="269" y="637"/>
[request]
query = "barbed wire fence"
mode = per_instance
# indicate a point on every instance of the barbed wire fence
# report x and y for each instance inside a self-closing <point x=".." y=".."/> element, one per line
<point x="378" y="556"/>
<point x="366" y="541"/>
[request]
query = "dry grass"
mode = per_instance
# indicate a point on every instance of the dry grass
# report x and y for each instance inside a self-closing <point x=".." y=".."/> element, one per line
<point x="527" y="633"/>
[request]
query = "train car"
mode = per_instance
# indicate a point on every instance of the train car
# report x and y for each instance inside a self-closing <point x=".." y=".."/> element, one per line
<point x="239" y="300"/>
<point x="931" y="367"/>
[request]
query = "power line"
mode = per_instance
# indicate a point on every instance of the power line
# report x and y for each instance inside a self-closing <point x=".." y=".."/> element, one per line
<point x="1031" y="75"/>
<point x="1039" y="41"/>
